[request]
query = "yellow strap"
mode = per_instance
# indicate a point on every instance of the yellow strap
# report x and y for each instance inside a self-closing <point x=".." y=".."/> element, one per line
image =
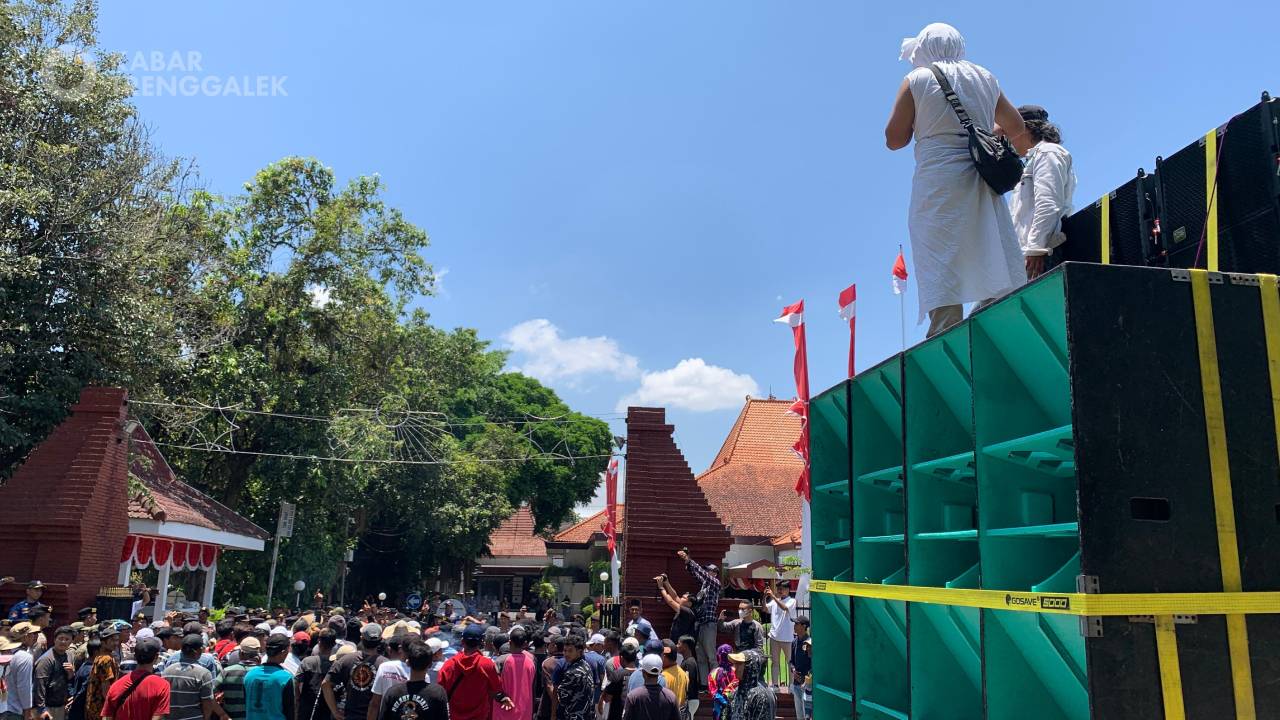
<point x="1096" y="605"/>
<point x="1211" y="197"/>
<point x="1271" y="325"/>
<point x="1220" y="476"/>
<point x="1106" y="229"/>
<point x="1170" y="670"/>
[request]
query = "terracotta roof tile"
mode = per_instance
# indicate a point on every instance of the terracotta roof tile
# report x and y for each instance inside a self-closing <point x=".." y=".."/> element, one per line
<point x="585" y="531"/>
<point x="515" y="537"/>
<point x="171" y="500"/>
<point x="751" y="482"/>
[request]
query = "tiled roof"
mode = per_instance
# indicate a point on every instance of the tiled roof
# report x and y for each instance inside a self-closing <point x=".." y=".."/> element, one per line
<point x="585" y="531"/>
<point x="790" y="539"/>
<point x="751" y="483"/>
<point x="515" y="537"/>
<point x="168" y="499"/>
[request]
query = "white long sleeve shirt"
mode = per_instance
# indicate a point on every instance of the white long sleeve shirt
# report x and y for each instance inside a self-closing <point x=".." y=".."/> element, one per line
<point x="1043" y="198"/>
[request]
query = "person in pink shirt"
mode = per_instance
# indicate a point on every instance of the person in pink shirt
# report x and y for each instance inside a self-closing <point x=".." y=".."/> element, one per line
<point x="517" y="670"/>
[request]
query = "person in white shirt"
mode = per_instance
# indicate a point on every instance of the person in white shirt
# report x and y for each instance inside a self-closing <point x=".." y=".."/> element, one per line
<point x="1043" y="198"/>
<point x="394" y="670"/>
<point x="782" y="615"/>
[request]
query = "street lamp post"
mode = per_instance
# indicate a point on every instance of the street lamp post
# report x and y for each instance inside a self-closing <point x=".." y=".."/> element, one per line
<point x="298" y="587"/>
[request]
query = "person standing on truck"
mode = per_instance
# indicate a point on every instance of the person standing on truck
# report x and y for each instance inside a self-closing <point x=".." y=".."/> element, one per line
<point x="1043" y="197"/>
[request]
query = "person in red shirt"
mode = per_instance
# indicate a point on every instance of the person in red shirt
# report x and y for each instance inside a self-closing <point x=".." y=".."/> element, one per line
<point x="226" y="638"/>
<point x="142" y="694"/>
<point x="471" y="680"/>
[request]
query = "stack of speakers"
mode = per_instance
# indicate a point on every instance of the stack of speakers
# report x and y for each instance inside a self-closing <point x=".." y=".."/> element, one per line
<point x="1214" y="204"/>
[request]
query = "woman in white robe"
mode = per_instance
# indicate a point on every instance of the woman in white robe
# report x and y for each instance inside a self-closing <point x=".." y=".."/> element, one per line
<point x="962" y="236"/>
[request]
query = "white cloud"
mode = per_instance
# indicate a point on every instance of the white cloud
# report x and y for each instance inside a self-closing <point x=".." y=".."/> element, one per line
<point x="320" y="296"/>
<point x="547" y="355"/>
<point x="692" y="385"/>
<point x="441" y="291"/>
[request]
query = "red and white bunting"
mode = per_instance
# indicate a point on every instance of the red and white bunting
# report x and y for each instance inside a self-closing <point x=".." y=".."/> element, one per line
<point x="611" y="507"/>
<point x="848" y="311"/>
<point x="899" y="274"/>
<point x="793" y="316"/>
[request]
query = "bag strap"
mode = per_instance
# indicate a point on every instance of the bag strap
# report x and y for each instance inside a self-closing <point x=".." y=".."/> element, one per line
<point x="124" y="696"/>
<point x="951" y="97"/>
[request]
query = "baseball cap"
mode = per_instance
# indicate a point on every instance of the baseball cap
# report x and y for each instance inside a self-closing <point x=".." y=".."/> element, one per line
<point x="632" y="643"/>
<point x="277" y="644"/>
<point x="653" y="646"/>
<point x="250" y="643"/>
<point x="77" y="626"/>
<point x="1033" y="112"/>
<point x="35" y="585"/>
<point x="738" y="657"/>
<point x="473" y="632"/>
<point x="38" y="610"/>
<point x="342" y="650"/>
<point x="436" y="644"/>
<point x="651" y="665"/>
<point x="192" y="643"/>
<point x="596" y="639"/>
<point x="371" y="632"/>
<point x="108" y="631"/>
<point x="301" y="637"/>
<point x="279" y="630"/>
<point x="145" y="633"/>
<point x="166" y="632"/>
<point x="23" y="628"/>
<point x="7" y="644"/>
<point x="263" y="626"/>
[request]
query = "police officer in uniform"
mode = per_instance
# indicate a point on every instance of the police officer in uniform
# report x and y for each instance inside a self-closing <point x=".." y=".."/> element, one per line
<point x="21" y="610"/>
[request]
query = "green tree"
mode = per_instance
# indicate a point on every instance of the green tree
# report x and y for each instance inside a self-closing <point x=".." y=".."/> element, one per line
<point x="94" y="270"/>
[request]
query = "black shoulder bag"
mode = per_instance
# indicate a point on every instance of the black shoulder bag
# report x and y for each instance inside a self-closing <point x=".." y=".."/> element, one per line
<point x="997" y="162"/>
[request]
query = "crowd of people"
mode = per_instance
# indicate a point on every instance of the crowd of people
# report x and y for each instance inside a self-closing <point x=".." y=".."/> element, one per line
<point x="380" y="663"/>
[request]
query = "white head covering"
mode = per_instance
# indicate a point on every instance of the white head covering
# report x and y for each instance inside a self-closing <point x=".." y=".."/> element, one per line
<point x="937" y="42"/>
<point x="145" y="632"/>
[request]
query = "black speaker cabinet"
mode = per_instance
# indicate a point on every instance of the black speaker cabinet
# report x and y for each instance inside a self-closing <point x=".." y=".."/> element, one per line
<point x="1130" y="214"/>
<point x="1240" y="232"/>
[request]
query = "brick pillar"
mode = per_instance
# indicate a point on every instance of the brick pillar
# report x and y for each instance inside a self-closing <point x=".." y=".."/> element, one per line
<point x="64" y="513"/>
<point x="665" y="511"/>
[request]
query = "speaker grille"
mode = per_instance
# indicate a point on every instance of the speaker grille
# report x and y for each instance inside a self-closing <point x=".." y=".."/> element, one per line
<point x="1182" y="217"/>
<point x="1248" y="226"/>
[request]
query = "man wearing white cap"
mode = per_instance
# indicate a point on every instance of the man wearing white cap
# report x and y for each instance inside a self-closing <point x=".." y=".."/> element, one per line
<point x="651" y="701"/>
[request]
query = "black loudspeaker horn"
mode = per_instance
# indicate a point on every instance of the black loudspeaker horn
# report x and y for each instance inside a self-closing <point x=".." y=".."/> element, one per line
<point x="1218" y="199"/>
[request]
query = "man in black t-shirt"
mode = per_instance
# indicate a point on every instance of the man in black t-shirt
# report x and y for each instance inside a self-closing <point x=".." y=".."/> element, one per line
<point x="355" y="671"/>
<point x="416" y="699"/>
<point x="681" y="604"/>
<point x="311" y="675"/>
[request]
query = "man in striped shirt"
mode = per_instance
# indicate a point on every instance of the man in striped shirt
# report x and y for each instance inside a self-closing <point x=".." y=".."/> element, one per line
<point x="231" y="684"/>
<point x="191" y="685"/>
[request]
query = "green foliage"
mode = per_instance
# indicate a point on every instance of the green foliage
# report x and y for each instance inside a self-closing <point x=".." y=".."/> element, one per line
<point x="294" y="297"/>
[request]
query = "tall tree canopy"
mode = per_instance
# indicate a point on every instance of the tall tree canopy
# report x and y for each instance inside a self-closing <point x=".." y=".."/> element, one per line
<point x="290" y="307"/>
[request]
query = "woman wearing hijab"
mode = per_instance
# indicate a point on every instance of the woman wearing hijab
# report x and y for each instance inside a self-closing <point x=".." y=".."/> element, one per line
<point x="1043" y="198"/>
<point x="962" y="237"/>
<point x="722" y="682"/>
<point x="753" y="700"/>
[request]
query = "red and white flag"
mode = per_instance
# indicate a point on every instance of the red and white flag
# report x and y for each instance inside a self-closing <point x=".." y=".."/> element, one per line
<point x="793" y="316"/>
<point x="611" y="507"/>
<point x="899" y="274"/>
<point x="848" y="301"/>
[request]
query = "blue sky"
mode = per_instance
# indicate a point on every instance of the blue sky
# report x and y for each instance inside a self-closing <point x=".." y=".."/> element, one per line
<point x="626" y="193"/>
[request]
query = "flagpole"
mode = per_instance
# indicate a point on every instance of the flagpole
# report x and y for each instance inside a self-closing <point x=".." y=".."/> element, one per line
<point x="902" y="310"/>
